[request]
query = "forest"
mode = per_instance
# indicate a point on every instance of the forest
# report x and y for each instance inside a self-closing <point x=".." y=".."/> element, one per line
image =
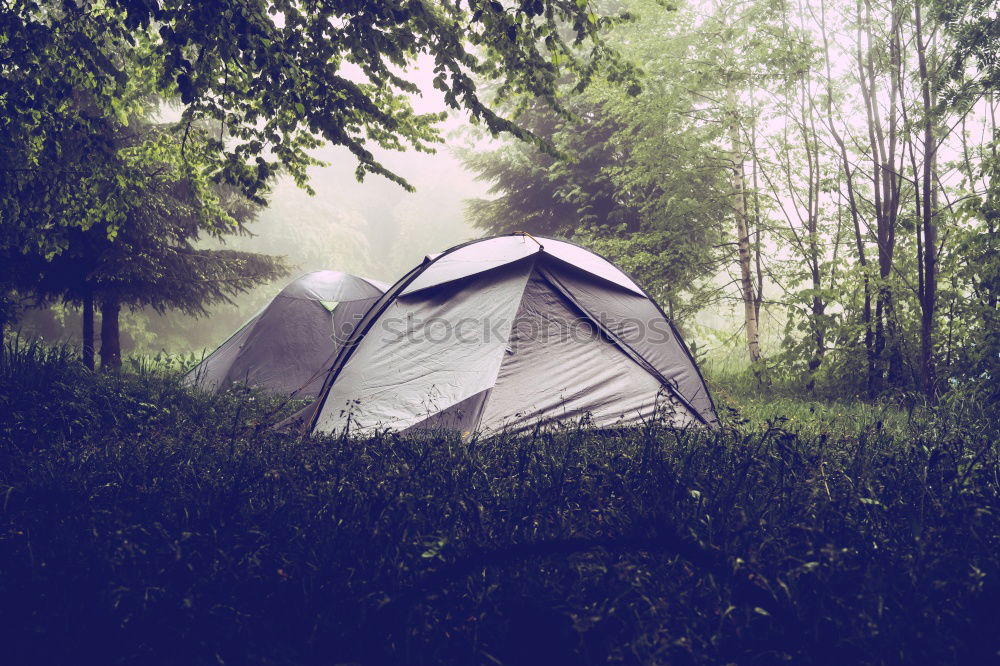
<point x="808" y="189"/>
<point x="834" y="167"/>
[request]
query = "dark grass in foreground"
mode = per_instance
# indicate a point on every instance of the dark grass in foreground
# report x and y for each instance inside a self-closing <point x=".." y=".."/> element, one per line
<point x="142" y="524"/>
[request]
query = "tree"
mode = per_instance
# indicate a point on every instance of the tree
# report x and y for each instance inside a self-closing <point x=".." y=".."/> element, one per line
<point x="854" y="204"/>
<point x="927" y="270"/>
<point x="146" y="256"/>
<point x="606" y="184"/>
<point x="720" y="62"/>
<point x="582" y="193"/>
<point x="282" y="77"/>
<point x="554" y="192"/>
<point x="276" y="79"/>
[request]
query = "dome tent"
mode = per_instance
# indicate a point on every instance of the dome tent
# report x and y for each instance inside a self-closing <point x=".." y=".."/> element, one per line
<point x="287" y="347"/>
<point x="507" y="332"/>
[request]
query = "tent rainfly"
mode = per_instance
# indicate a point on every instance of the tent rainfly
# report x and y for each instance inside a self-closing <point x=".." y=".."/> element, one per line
<point x="501" y="334"/>
<point x="287" y="347"/>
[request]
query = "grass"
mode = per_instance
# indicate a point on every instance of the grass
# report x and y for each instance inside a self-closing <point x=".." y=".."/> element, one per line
<point x="752" y="401"/>
<point x="140" y="523"/>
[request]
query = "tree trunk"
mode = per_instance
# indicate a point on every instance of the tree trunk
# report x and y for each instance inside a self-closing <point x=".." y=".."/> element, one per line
<point x="111" y="351"/>
<point x="866" y="311"/>
<point x="756" y="223"/>
<point x="928" y="296"/>
<point x="743" y="240"/>
<point x="814" y="255"/>
<point x="88" y="330"/>
<point x="875" y="340"/>
<point x="887" y="359"/>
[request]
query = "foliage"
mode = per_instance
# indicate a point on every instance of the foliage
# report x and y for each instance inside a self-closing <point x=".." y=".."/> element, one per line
<point x="977" y="36"/>
<point x="282" y="78"/>
<point x="143" y="523"/>
<point x="834" y="162"/>
<point x="146" y="255"/>
<point x="142" y="251"/>
<point x="71" y="90"/>
<point x="271" y="79"/>
<point x="98" y="201"/>
<point x="616" y="181"/>
<point x="553" y="194"/>
<point x="974" y="343"/>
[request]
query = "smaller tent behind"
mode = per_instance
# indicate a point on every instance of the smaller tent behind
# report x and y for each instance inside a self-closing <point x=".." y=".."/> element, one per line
<point x="287" y="347"/>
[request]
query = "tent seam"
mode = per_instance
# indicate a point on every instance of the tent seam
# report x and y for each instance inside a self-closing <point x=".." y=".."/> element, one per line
<point x="631" y="353"/>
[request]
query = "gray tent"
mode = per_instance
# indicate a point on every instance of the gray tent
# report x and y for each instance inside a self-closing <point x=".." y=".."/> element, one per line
<point x="504" y="333"/>
<point x="287" y="347"/>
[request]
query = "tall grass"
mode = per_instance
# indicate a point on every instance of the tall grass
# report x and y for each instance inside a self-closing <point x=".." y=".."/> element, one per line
<point x="141" y="523"/>
<point x="759" y="400"/>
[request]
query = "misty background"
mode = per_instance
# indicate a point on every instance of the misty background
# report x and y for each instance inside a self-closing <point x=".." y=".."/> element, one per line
<point x="373" y="228"/>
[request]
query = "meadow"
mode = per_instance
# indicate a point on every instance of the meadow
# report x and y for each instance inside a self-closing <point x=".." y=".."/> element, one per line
<point x="144" y="523"/>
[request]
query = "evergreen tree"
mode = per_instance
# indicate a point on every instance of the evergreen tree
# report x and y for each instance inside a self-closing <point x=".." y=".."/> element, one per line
<point x="146" y="254"/>
<point x="626" y="175"/>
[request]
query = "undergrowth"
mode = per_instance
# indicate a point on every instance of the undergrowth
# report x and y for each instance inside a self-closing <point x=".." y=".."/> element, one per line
<point x="142" y="523"/>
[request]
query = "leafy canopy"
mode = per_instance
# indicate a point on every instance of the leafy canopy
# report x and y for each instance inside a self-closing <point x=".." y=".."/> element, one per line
<point x="280" y="77"/>
<point x="146" y="255"/>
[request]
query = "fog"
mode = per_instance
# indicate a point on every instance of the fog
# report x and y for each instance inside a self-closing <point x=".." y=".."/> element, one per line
<point x="373" y="228"/>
